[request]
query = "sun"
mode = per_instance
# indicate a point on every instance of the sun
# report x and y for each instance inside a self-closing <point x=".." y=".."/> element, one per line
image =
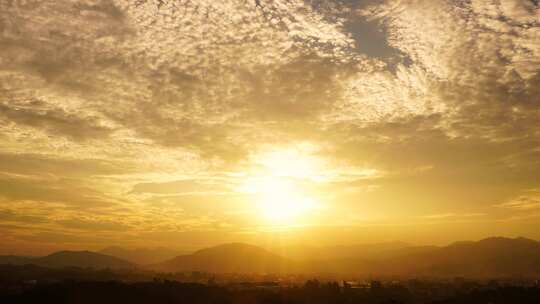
<point x="278" y="186"/>
<point x="280" y="201"/>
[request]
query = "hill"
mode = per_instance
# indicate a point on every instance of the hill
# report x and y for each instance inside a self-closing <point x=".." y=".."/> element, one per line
<point x="228" y="258"/>
<point x="487" y="258"/>
<point x="358" y="251"/>
<point x="141" y="256"/>
<point x="62" y="259"/>
<point x="491" y="257"/>
<point x="15" y="260"/>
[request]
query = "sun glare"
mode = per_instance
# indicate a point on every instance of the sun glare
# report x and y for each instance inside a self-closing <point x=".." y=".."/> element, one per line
<point x="280" y="201"/>
<point x="276" y="184"/>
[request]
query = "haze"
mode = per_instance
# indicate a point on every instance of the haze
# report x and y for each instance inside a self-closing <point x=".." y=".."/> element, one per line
<point x="189" y="124"/>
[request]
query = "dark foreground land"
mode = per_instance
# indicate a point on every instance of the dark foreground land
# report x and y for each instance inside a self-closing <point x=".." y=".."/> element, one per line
<point x="194" y="293"/>
<point x="32" y="284"/>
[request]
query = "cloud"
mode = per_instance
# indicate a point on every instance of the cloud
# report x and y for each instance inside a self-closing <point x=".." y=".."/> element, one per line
<point x="66" y="192"/>
<point x="47" y="237"/>
<point x="182" y="187"/>
<point x="178" y="74"/>
<point x="464" y="105"/>
<point x="11" y="216"/>
<point x="54" y="121"/>
<point x="213" y="76"/>
<point x="471" y="66"/>
<point x="93" y="225"/>
<point x="530" y="200"/>
<point x="47" y="165"/>
<point x="453" y="216"/>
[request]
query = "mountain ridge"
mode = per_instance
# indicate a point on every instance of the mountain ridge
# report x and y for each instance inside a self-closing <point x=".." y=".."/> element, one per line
<point x="141" y="256"/>
<point x="228" y="258"/>
<point x="68" y="258"/>
<point x="494" y="256"/>
<point x="489" y="257"/>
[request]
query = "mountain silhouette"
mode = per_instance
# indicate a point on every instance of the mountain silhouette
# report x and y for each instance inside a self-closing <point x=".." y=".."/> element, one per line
<point x="62" y="259"/>
<point x="491" y="257"/>
<point x="357" y="251"/>
<point x="141" y="256"/>
<point x="15" y="260"/>
<point x="228" y="258"/>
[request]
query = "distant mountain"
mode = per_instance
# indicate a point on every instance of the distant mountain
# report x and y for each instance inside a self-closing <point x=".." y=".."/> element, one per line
<point x="229" y="258"/>
<point x="491" y="257"/>
<point x="62" y="259"/>
<point x="14" y="260"/>
<point x="359" y="251"/>
<point x="82" y="259"/>
<point x="142" y="256"/>
<point x="372" y="262"/>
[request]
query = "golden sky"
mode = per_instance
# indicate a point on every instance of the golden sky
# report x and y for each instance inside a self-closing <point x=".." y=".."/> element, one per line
<point x="189" y="123"/>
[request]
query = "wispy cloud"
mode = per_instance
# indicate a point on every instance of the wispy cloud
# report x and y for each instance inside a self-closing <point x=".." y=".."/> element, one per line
<point x="530" y="200"/>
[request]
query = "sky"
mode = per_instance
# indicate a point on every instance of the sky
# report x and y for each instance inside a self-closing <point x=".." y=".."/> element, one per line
<point x="191" y="123"/>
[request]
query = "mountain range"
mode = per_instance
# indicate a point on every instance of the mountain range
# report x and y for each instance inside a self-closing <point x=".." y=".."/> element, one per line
<point x="229" y="258"/>
<point x="486" y="258"/>
<point x="142" y="256"/>
<point x="357" y="251"/>
<point x="491" y="257"/>
<point x="63" y="259"/>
